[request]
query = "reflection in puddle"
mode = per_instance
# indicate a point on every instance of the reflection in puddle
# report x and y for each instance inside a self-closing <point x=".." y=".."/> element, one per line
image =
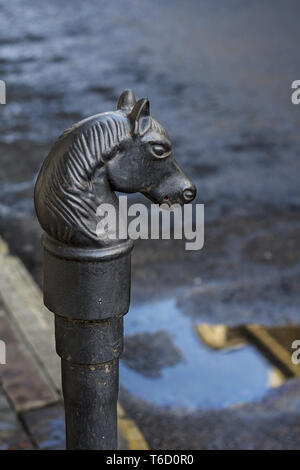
<point x="217" y="366"/>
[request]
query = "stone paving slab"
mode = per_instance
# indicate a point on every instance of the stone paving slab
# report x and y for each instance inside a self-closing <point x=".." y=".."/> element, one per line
<point x="22" y="380"/>
<point x="23" y="302"/>
<point x="12" y="434"/>
<point x="46" y="427"/>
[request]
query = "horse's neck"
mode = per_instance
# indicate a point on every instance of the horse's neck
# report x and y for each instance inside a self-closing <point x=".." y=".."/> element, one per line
<point x="102" y="190"/>
<point x="104" y="194"/>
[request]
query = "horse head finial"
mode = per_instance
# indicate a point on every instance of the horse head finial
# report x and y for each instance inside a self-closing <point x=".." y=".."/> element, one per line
<point x="126" y="150"/>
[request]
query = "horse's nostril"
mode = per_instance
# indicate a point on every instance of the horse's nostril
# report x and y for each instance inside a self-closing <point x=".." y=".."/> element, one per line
<point x="189" y="194"/>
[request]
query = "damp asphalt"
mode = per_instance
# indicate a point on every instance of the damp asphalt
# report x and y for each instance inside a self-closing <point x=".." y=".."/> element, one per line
<point x="219" y="77"/>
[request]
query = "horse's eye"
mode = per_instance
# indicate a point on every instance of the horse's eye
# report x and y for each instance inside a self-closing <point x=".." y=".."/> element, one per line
<point x="160" y="150"/>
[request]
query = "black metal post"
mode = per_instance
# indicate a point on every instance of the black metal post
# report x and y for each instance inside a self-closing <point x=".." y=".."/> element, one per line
<point x="89" y="292"/>
<point x="86" y="272"/>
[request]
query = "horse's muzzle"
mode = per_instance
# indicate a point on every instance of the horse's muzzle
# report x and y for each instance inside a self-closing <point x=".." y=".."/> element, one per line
<point x="172" y="193"/>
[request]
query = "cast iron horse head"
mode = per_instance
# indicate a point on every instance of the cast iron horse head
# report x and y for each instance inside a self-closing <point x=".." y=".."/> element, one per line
<point x="125" y="150"/>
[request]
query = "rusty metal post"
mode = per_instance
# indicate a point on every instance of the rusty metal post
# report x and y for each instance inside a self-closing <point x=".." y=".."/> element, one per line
<point x="87" y="272"/>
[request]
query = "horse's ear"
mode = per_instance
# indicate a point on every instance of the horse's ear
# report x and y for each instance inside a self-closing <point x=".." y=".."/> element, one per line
<point x="126" y="101"/>
<point x="140" y="116"/>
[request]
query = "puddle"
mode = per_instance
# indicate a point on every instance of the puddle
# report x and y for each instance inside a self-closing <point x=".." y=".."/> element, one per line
<point x="214" y="366"/>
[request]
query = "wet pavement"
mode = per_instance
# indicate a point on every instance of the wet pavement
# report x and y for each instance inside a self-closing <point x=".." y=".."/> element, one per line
<point x="219" y="78"/>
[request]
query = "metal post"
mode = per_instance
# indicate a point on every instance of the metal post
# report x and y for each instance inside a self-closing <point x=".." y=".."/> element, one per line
<point x="89" y="292"/>
<point x="86" y="272"/>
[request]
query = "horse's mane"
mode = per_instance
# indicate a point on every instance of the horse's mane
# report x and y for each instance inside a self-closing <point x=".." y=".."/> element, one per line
<point x="72" y="162"/>
<point x="92" y="143"/>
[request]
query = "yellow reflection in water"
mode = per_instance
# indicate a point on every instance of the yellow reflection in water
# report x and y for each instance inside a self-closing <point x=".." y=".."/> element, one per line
<point x="274" y="343"/>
